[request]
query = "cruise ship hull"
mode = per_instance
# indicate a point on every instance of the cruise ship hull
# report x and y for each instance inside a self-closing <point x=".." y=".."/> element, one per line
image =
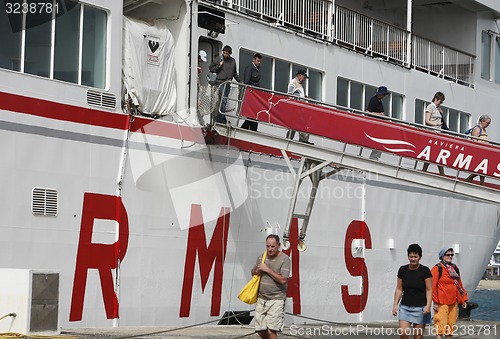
<point x="156" y="227"/>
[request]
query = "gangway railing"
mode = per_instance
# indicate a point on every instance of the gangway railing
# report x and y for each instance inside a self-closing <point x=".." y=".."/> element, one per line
<point x="344" y="139"/>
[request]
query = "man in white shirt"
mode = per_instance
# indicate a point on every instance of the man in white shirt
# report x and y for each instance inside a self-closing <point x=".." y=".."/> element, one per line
<point x="295" y="88"/>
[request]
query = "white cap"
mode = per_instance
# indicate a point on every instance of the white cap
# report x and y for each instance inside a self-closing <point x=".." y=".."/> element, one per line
<point x="203" y="55"/>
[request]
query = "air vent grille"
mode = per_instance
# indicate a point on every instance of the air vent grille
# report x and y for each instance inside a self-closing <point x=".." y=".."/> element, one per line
<point x="101" y="99"/>
<point x="45" y="202"/>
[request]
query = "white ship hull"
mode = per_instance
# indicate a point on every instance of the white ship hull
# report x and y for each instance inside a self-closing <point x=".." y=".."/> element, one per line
<point x="155" y="228"/>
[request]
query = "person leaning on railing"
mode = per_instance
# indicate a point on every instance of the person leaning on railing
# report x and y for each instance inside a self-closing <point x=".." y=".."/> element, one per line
<point x="376" y="106"/>
<point x="251" y="76"/>
<point x="225" y="68"/>
<point x="480" y="134"/>
<point x="434" y="118"/>
<point x="295" y="88"/>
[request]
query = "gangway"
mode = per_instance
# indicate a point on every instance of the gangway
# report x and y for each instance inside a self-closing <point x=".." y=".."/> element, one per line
<point x="352" y="133"/>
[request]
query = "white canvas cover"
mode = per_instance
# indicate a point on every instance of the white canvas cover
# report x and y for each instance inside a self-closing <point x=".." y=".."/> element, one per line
<point x="148" y="66"/>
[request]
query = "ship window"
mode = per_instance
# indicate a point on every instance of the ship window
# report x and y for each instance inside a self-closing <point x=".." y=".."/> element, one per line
<point x="456" y="120"/>
<point x="356" y="95"/>
<point x="38" y="43"/>
<point x="485" y="55"/>
<point x="266" y="67"/>
<point x="464" y="121"/>
<point x="397" y="106"/>
<point x="452" y="118"/>
<point x="66" y="50"/>
<point x="314" y="85"/>
<point x="51" y="41"/>
<point x="490" y="56"/>
<point x="497" y="60"/>
<point x="420" y="111"/>
<point x="266" y="72"/>
<point x="94" y="47"/>
<point x="276" y="74"/>
<point x="281" y="76"/>
<point x="10" y="37"/>
<point x="369" y="90"/>
<point x="342" y="92"/>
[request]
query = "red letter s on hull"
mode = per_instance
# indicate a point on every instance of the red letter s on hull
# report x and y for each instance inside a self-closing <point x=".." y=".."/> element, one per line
<point x="355" y="303"/>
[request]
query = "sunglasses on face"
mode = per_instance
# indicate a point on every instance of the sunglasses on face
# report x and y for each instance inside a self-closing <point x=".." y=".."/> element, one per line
<point x="449" y="255"/>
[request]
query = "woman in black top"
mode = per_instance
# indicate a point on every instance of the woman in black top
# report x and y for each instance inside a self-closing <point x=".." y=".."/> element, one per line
<point x="414" y="290"/>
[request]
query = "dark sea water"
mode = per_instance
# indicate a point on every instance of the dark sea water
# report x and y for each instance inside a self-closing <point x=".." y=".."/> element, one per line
<point x="489" y="305"/>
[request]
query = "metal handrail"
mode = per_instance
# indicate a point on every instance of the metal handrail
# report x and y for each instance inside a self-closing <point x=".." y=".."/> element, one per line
<point x="241" y="89"/>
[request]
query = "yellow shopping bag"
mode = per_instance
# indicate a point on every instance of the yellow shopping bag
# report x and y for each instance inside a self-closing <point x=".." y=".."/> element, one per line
<point x="250" y="292"/>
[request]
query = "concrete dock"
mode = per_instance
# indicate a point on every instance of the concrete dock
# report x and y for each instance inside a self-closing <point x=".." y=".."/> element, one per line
<point x="464" y="329"/>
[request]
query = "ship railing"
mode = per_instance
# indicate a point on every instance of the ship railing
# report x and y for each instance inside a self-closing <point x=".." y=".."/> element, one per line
<point x="320" y="19"/>
<point x="390" y="43"/>
<point x="370" y="36"/>
<point x="312" y="17"/>
<point x="278" y="129"/>
<point x="443" y="61"/>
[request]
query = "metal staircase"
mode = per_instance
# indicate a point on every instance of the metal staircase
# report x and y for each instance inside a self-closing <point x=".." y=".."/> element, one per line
<point x="319" y="162"/>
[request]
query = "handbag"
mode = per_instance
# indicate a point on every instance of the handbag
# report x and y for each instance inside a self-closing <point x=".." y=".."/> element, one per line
<point x="250" y="292"/>
<point x="212" y="78"/>
<point x="443" y="123"/>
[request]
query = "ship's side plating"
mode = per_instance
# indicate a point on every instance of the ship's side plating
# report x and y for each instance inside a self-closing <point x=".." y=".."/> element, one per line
<point x="156" y="228"/>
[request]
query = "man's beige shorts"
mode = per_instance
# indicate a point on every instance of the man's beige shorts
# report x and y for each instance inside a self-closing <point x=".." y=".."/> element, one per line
<point x="269" y="314"/>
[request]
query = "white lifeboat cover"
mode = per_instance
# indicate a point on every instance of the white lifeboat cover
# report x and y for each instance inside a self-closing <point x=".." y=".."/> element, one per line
<point x="148" y="66"/>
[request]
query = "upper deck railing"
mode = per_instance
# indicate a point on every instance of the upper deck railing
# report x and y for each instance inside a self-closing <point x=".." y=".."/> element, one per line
<point x="320" y="19"/>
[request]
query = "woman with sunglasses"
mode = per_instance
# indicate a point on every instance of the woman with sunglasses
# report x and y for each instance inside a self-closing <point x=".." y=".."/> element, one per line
<point x="447" y="293"/>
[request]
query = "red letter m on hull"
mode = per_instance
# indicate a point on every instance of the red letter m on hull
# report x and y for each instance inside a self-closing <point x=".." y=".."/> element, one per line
<point x="215" y="252"/>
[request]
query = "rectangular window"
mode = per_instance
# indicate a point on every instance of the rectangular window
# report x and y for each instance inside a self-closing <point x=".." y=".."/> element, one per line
<point x="94" y="48"/>
<point x="485" y="55"/>
<point x="276" y="74"/>
<point x="452" y="119"/>
<point x="281" y="76"/>
<point x="342" y="92"/>
<point x="356" y="95"/>
<point x="266" y="72"/>
<point x="37" y="47"/>
<point x="52" y="42"/>
<point x="66" y="51"/>
<point x="464" y="122"/>
<point x="497" y="60"/>
<point x="397" y="106"/>
<point x="420" y="106"/>
<point x="314" y="85"/>
<point x="10" y="37"/>
<point x="266" y="67"/>
<point x="457" y="121"/>
<point x="369" y="93"/>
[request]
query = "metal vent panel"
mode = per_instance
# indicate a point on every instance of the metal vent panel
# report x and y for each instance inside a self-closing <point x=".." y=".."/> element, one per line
<point x="108" y="100"/>
<point x="45" y="202"/>
<point x="105" y="100"/>
<point x="93" y="98"/>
